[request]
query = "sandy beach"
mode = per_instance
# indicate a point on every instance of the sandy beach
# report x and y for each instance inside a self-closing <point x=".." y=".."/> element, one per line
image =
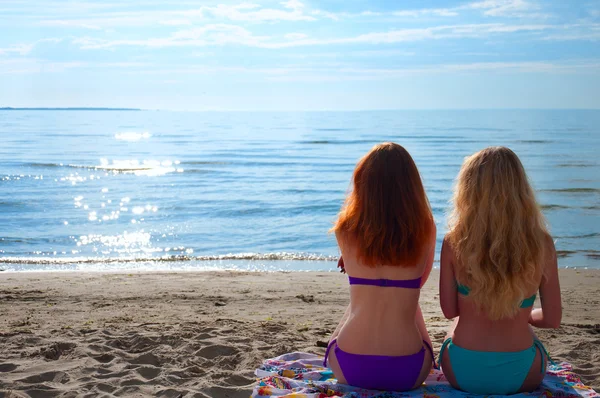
<point x="202" y="334"/>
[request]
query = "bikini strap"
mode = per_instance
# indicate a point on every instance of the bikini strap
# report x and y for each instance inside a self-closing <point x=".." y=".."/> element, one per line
<point x="538" y="344"/>
<point x="444" y="345"/>
<point x="404" y="283"/>
<point x="331" y="343"/>
<point x="431" y="352"/>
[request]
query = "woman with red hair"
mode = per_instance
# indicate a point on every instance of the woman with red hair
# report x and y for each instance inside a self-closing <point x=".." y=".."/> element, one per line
<point x="386" y="234"/>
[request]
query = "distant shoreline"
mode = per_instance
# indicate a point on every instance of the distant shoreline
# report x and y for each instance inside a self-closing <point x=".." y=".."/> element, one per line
<point x="69" y="109"/>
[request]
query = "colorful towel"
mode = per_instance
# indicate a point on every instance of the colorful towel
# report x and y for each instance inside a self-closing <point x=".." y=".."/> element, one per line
<point x="302" y="375"/>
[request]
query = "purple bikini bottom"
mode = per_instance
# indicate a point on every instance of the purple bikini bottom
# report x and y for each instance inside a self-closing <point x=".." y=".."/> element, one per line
<point x="380" y="372"/>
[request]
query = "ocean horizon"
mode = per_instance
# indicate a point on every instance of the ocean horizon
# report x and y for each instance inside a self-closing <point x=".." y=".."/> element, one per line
<point x="208" y="190"/>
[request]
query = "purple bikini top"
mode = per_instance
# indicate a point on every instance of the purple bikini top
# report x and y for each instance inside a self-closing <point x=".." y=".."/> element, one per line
<point x="407" y="284"/>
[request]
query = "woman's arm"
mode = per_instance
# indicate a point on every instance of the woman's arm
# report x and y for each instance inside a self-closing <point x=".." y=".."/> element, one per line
<point x="430" y="256"/>
<point x="448" y="291"/>
<point x="550" y="315"/>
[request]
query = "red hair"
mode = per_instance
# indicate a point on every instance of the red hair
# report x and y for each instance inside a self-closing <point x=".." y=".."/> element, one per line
<point x="387" y="216"/>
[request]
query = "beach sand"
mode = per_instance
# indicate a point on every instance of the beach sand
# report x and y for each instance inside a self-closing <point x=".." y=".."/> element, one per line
<point x="202" y="334"/>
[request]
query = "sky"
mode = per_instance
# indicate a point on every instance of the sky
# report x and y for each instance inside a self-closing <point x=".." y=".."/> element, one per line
<point x="300" y="54"/>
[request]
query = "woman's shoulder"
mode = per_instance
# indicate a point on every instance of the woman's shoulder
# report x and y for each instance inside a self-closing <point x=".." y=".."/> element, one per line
<point x="447" y="242"/>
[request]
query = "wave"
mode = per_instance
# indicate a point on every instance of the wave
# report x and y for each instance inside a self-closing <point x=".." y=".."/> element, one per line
<point x="429" y="139"/>
<point x="486" y="129"/>
<point x="205" y="162"/>
<point x="334" y="129"/>
<point x="337" y="142"/>
<point x="576" y="165"/>
<point x="591" y="235"/>
<point x="534" y="141"/>
<point x="573" y="190"/>
<point x="554" y="207"/>
<point x="117" y="166"/>
<point x="595" y="254"/>
<point x="12" y="203"/>
<point x="282" y="256"/>
<point x="91" y="167"/>
<point x="132" y="136"/>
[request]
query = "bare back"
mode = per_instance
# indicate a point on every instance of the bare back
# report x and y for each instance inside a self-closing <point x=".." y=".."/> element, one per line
<point x="473" y="330"/>
<point x="384" y="321"/>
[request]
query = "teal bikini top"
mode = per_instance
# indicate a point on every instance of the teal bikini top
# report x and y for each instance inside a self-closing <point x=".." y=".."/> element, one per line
<point x="464" y="290"/>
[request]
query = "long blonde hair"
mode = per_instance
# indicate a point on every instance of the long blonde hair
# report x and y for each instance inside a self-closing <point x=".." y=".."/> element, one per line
<point x="497" y="232"/>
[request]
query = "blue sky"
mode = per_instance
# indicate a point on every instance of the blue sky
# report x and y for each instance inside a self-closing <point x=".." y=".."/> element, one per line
<point x="301" y="54"/>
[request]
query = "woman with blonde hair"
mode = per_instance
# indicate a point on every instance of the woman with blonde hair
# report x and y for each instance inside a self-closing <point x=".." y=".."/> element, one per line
<point x="495" y="258"/>
<point x="386" y="235"/>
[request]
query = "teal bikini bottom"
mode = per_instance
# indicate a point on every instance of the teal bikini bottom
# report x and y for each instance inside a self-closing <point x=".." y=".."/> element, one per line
<point x="490" y="372"/>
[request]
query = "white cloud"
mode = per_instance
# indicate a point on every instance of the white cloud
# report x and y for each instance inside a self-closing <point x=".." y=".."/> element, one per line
<point x="329" y="15"/>
<point x="213" y="34"/>
<point x="223" y="34"/>
<point x="111" y="15"/>
<point x="254" y="13"/>
<point x="21" y="49"/>
<point x="247" y="12"/>
<point x="383" y="53"/>
<point x="507" y="8"/>
<point x="439" y="32"/>
<point x="440" y="12"/>
<point x="25" y="49"/>
<point x="574" y="37"/>
<point x="293" y="4"/>
<point x="371" y="13"/>
<point x="345" y="74"/>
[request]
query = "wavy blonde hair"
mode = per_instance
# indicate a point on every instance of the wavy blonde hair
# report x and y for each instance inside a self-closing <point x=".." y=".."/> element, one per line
<point x="497" y="232"/>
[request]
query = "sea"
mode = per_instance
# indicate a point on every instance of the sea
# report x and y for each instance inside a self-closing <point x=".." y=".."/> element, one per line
<point x="154" y="190"/>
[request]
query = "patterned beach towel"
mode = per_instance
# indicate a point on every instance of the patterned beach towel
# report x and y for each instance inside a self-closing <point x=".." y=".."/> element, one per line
<point x="302" y="375"/>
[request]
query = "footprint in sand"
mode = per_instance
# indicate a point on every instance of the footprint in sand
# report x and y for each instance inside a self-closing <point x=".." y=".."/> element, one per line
<point x="148" y="372"/>
<point x="56" y="350"/>
<point x="217" y="350"/>
<point x="7" y="367"/>
<point x="146" y="359"/>
<point x="55" y="377"/>
<point x="238" y="380"/>
<point x="104" y="358"/>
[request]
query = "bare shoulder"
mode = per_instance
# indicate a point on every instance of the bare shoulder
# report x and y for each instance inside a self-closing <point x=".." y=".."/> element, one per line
<point x="447" y="244"/>
<point x="549" y="250"/>
<point x="549" y="244"/>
